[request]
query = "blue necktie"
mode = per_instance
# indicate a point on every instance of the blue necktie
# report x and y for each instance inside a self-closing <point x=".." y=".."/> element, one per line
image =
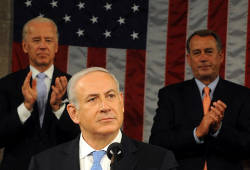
<point x="41" y="96"/>
<point x="97" y="156"/>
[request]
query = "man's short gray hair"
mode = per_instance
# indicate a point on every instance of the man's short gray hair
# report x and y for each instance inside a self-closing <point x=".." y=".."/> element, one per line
<point x="205" y="33"/>
<point x="77" y="76"/>
<point x="38" y="19"/>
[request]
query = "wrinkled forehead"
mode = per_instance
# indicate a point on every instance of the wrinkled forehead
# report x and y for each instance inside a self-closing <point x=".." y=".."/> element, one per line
<point x="203" y="42"/>
<point x="35" y="28"/>
<point x="97" y="82"/>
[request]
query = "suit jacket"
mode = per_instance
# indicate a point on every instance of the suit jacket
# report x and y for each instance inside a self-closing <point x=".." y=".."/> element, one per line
<point x="21" y="141"/>
<point x="180" y="110"/>
<point x="138" y="156"/>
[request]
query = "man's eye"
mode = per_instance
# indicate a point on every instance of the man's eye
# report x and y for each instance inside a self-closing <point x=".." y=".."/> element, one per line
<point x="196" y="52"/>
<point x="36" y="40"/>
<point x="48" y="40"/>
<point x="209" y="51"/>
<point x="111" y="96"/>
<point x="91" y="99"/>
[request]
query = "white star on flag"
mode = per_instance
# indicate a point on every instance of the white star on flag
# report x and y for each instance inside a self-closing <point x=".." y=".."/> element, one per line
<point x="67" y="18"/>
<point x="53" y="4"/>
<point x="81" y="5"/>
<point x="108" y="6"/>
<point x="135" y="8"/>
<point x="41" y="15"/>
<point x="94" y="19"/>
<point x="134" y="35"/>
<point x="107" y="33"/>
<point x="28" y="3"/>
<point x="80" y="32"/>
<point x="121" y="20"/>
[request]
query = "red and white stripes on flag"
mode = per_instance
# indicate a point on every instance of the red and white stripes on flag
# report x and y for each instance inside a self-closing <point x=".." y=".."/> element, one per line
<point x="142" y="72"/>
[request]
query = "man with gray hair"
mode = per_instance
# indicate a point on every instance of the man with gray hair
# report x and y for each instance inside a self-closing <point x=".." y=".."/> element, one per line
<point x="32" y="110"/>
<point x="205" y="121"/>
<point x="96" y="105"/>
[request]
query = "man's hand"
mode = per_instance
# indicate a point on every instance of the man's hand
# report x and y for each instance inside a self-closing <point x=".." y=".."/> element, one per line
<point x="29" y="92"/>
<point x="212" y="119"/>
<point x="204" y="126"/>
<point x="217" y="112"/>
<point x="58" y="91"/>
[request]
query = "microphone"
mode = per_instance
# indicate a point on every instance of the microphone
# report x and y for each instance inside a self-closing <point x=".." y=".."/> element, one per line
<point x="115" y="153"/>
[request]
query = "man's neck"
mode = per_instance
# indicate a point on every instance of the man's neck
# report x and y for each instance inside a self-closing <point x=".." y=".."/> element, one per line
<point x="208" y="80"/>
<point x="99" y="141"/>
<point x="41" y="68"/>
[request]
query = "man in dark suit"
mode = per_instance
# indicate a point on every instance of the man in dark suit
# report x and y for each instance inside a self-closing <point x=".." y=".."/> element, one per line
<point x="27" y="127"/>
<point x="96" y="105"/>
<point x="216" y="139"/>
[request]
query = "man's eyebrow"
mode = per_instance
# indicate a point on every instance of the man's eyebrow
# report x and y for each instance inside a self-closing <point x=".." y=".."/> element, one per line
<point x="96" y="94"/>
<point x="111" y="90"/>
<point x="91" y="95"/>
<point x="208" y="48"/>
<point x="37" y="37"/>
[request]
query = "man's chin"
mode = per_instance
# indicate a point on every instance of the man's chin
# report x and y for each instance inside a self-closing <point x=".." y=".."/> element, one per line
<point x="43" y="64"/>
<point x="206" y="77"/>
<point x="109" y="130"/>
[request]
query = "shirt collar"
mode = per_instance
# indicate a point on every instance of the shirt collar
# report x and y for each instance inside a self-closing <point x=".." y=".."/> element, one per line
<point x="212" y="86"/>
<point x="48" y="72"/>
<point x="85" y="149"/>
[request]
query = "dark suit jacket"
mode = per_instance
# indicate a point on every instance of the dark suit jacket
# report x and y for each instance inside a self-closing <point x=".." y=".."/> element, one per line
<point x="138" y="156"/>
<point x="21" y="141"/>
<point x="180" y="110"/>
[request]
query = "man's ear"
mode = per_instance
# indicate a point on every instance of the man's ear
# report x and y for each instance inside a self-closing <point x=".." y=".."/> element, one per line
<point x="222" y="56"/>
<point x="188" y="58"/>
<point x="122" y="100"/>
<point x="24" y="46"/>
<point x="73" y="113"/>
<point x="56" y="47"/>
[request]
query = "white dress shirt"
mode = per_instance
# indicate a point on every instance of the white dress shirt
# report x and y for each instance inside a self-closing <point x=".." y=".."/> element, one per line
<point x="85" y="154"/>
<point x="22" y="111"/>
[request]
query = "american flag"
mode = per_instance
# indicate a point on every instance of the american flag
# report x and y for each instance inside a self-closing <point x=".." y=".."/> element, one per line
<point x="141" y="41"/>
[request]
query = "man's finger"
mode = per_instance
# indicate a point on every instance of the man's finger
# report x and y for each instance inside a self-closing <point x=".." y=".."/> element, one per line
<point x="26" y="83"/>
<point x="64" y="81"/>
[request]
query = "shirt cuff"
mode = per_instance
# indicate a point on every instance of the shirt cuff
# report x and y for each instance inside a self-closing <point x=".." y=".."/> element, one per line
<point x="198" y="141"/>
<point x="217" y="132"/>
<point x="59" y="112"/>
<point x="23" y="113"/>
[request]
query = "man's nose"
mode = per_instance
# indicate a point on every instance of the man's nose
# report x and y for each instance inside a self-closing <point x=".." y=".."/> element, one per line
<point x="43" y="44"/>
<point x="203" y="55"/>
<point x="104" y="105"/>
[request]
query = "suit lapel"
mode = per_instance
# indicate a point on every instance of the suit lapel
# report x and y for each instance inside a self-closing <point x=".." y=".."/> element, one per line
<point x="192" y="101"/>
<point x="220" y="90"/>
<point x="70" y="156"/>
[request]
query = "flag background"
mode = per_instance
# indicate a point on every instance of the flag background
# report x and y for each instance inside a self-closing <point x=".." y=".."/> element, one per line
<point x="142" y="62"/>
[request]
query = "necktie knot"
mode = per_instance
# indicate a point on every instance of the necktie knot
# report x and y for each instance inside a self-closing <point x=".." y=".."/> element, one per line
<point x="41" y="76"/>
<point x="206" y="90"/>
<point x="97" y="156"/>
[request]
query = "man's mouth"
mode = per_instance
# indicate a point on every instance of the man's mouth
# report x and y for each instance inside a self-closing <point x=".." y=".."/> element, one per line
<point x="205" y="67"/>
<point x="106" y="119"/>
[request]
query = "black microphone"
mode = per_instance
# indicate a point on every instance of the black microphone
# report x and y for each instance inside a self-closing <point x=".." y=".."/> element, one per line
<point x="115" y="153"/>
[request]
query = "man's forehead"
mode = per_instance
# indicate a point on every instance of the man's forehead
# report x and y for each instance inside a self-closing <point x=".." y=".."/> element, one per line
<point x="205" y="42"/>
<point x="97" y="81"/>
<point x="96" y="76"/>
<point x="100" y="92"/>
